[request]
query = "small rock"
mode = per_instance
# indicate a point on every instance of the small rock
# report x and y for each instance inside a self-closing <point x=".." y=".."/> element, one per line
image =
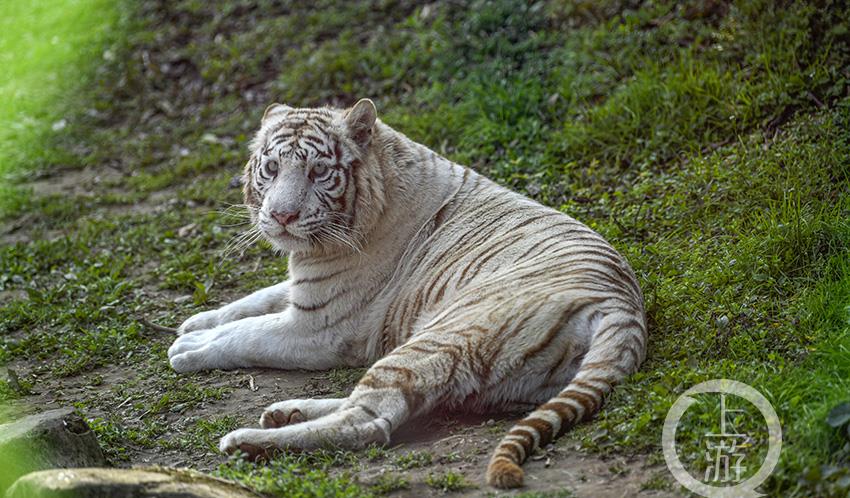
<point x="14" y="381"/>
<point x="182" y="299"/>
<point x="186" y="230"/>
<point x="210" y="138"/>
<point x="56" y="438"/>
<point x="147" y="482"/>
<point x="723" y="322"/>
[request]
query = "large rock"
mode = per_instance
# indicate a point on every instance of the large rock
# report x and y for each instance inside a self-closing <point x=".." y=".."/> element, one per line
<point x="150" y="482"/>
<point x="56" y="438"/>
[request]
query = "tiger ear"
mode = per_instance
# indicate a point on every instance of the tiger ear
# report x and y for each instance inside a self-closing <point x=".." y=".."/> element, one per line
<point x="360" y="120"/>
<point x="275" y="109"/>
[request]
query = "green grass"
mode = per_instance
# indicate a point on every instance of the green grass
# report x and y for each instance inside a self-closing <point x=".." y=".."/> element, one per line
<point x="287" y="477"/>
<point x="412" y="459"/>
<point x="709" y="144"/>
<point x="48" y="49"/>
<point x="448" y="482"/>
<point x="388" y="482"/>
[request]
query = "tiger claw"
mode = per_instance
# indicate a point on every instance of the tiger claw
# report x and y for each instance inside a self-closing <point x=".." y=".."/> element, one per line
<point x="273" y="419"/>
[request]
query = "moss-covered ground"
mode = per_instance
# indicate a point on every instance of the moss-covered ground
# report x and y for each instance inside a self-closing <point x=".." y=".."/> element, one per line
<point x="709" y="141"/>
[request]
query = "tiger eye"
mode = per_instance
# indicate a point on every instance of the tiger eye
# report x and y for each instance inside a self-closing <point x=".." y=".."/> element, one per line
<point x="318" y="170"/>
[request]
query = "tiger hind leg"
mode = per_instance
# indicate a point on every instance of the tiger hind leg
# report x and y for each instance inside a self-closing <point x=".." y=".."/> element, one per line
<point x="409" y="381"/>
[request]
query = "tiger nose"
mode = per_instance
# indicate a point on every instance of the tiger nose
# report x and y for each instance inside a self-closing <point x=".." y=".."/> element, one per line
<point x="285" y="218"/>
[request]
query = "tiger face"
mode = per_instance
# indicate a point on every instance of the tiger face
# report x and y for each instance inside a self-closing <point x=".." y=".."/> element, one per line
<point x="300" y="179"/>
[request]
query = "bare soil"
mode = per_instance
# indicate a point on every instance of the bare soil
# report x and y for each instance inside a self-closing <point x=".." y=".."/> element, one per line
<point x="457" y="443"/>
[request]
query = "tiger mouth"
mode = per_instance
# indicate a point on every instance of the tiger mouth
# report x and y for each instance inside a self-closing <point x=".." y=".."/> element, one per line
<point x="284" y="233"/>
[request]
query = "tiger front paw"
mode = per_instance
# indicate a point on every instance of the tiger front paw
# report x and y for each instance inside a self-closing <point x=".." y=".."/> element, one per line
<point x="201" y="321"/>
<point x="206" y="349"/>
<point x="295" y="411"/>
<point x="244" y="441"/>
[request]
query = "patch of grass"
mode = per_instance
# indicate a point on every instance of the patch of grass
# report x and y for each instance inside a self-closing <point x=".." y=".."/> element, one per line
<point x="209" y="156"/>
<point x="388" y="483"/>
<point x="49" y="50"/>
<point x="116" y="438"/>
<point x="374" y="452"/>
<point x="204" y="434"/>
<point x="328" y="458"/>
<point x="97" y="298"/>
<point x="413" y="459"/>
<point x="146" y="422"/>
<point x="658" y="481"/>
<point x="285" y="477"/>
<point x="772" y="300"/>
<point x="12" y="387"/>
<point x="180" y="395"/>
<point x="341" y="381"/>
<point x="448" y="482"/>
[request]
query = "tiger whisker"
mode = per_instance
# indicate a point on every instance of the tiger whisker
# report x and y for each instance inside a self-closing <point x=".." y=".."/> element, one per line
<point x="357" y="240"/>
<point x="239" y="224"/>
<point x="328" y="235"/>
<point x="336" y="233"/>
<point x="241" y="242"/>
<point x="247" y="243"/>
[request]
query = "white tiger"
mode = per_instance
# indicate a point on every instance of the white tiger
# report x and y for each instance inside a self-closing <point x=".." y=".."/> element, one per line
<point x="459" y="293"/>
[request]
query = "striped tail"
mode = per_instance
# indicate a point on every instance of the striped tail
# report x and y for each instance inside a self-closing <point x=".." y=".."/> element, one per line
<point x="615" y="352"/>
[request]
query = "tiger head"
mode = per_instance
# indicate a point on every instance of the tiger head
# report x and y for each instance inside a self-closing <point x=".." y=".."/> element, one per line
<point x="301" y="182"/>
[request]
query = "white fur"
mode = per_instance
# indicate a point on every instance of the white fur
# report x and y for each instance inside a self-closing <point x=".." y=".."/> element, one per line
<point x="264" y="301"/>
<point x="458" y="292"/>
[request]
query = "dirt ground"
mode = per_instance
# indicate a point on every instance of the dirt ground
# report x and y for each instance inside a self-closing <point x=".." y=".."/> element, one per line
<point x="457" y="443"/>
